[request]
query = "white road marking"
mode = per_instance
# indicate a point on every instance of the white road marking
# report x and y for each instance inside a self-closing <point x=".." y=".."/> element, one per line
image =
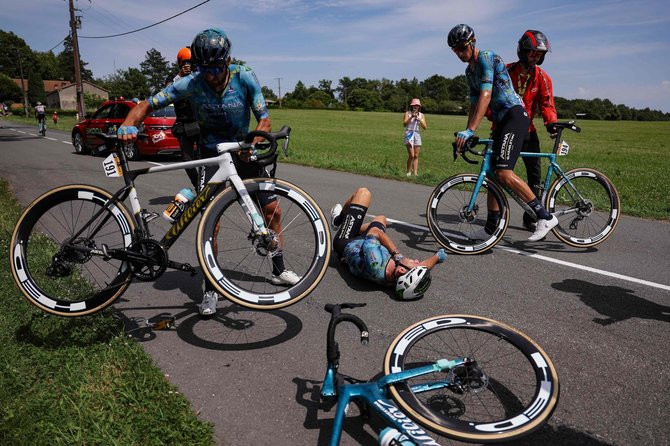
<point x="551" y="260"/>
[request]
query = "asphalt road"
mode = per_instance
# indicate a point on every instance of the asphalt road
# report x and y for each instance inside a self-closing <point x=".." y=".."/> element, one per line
<point x="603" y="315"/>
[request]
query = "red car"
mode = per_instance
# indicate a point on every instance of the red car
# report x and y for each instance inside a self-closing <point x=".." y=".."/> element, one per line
<point x="110" y="115"/>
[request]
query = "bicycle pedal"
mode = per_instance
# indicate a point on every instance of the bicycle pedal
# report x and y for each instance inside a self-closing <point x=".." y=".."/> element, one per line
<point x="148" y="216"/>
<point x="182" y="267"/>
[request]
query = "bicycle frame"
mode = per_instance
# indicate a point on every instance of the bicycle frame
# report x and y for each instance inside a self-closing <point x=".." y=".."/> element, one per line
<point x="226" y="172"/>
<point x="487" y="172"/>
<point x="374" y="395"/>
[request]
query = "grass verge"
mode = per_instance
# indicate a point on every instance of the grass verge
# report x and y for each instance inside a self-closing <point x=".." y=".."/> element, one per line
<point x="80" y="381"/>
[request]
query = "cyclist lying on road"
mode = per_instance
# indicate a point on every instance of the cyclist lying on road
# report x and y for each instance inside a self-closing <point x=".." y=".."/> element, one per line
<point x="371" y="254"/>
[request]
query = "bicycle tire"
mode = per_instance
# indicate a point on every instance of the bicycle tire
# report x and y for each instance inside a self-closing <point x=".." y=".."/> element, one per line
<point x="65" y="281"/>
<point x="591" y="221"/>
<point x="452" y="226"/>
<point x="238" y="271"/>
<point x="517" y="397"/>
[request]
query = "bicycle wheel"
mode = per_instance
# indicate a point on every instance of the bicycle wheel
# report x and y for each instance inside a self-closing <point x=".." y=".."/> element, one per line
<point x="510" y="390"/>
<point x="240" y="266"/>
<point x="587" y="207"/>
<point x="62" y="275"/>
<point x="457" y="229"/>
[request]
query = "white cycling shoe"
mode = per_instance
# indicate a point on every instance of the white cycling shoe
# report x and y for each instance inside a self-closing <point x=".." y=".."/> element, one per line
<point x="208" y="305"/>
<point x="287" y="277"/>
<point x="542" y="229"/>
<point x="335" y="212"/>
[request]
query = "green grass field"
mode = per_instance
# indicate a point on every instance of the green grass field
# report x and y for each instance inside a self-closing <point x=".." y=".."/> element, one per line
<point x="632" y="154"/>
<point x="80" y="381"/>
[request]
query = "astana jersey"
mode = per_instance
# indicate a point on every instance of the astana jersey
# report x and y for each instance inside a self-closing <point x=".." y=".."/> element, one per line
<point x="490" y="74"/>
<point x="223" y="117"/>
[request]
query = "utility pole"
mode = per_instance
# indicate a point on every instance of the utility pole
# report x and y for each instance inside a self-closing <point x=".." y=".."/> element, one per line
<point x="23" y="86"/>
<point x="74" y="24"/>
<point x="279" y="82"/>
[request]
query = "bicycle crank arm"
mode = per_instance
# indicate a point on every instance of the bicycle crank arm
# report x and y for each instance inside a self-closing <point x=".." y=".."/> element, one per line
<point x="182" y="267"/>
<point x="119" y="254"/>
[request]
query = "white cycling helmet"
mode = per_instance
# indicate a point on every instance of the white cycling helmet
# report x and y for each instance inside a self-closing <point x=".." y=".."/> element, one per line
<point x="413" y="284"/>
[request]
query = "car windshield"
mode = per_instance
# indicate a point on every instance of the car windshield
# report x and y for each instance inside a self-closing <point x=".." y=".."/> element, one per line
<point x="167" y="112"/>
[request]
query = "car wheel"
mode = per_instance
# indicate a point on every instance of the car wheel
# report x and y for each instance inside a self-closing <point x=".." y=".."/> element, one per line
<point x="132" y="152"/>
<point x="78" y="144"/>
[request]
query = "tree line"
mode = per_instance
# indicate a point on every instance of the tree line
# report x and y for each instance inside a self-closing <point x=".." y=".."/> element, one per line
<point x="438" y="94"/>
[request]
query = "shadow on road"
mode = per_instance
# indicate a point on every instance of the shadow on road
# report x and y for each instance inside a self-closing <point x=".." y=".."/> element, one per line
<point x="614" y="303"/>
<point x="320" y="414"/>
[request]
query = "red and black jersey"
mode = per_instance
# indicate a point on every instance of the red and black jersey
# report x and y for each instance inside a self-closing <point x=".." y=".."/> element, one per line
<point x="535" y="90"/>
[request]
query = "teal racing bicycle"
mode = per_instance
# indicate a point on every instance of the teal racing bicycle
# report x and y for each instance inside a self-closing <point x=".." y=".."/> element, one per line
<point x="584" y="200"/>
<point x="463" y="377"/>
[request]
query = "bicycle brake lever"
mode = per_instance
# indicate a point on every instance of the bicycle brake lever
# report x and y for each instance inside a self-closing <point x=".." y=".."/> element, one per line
<point x="468" y="160"/>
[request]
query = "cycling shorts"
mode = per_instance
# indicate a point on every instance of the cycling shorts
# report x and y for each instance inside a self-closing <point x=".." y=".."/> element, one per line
<point x="508" y="137"/>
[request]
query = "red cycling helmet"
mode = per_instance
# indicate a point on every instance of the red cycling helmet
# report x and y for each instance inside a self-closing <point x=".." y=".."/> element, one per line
<point x="532" y="40"/>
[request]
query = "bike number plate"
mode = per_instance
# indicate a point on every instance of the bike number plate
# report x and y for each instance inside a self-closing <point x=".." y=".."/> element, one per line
<point x="564" y="148"/>
<point x="112" y="166"/>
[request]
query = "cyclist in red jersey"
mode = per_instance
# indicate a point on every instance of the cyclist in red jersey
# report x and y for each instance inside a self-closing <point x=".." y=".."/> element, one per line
<point x="534" y="86"/>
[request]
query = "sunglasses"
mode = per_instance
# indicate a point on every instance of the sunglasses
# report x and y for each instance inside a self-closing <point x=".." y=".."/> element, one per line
<point x="462" y="47"/>
<point x="213" y="70"/>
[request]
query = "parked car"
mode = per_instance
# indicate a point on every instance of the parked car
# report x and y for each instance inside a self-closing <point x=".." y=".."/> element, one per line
<point x="107" y="119"/>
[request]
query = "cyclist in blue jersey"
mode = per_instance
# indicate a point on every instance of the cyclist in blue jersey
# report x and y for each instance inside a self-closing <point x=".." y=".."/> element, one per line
<point x="371" y="254"/>
<point x="491" y="87"/>
<point x="222" y="96"/>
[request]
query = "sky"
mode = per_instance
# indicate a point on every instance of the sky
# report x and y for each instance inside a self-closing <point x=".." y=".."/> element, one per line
<point x="619" y="50"/>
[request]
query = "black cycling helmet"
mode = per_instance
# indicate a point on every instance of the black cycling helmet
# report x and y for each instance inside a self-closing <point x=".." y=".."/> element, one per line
<point x="210" y="47"/>
<point x="460" y="35"/>
<point x="532" y="40"/>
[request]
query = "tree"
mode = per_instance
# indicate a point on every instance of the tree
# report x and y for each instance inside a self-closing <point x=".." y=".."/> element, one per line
<point x="9" y="90"/>
<point x="319" y="99"/>
<point x="66" y="63"/>
<point x="326" y="86"/>
<point x="361" y="98"/>
<point x="129" y="83"/>
<point x="49" y="66"/>
<point x="13" y="48"/>
<point x="299" y="93"/>
<point x="268" y="93"/>
<point x="436" y="87"/>
<point x="156" y="69"/>
<point x="459" y="90"/>
<point x="35" y="88"/>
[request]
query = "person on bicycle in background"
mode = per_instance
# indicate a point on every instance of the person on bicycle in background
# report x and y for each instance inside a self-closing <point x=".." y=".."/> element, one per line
<point x="222" y="96"/>
<point x="491" y="87"/>
<point x="40" y="114"/>
<point x="371" y="254"/>
<point x="534" y="86"/>
<point x="186" y="128"/>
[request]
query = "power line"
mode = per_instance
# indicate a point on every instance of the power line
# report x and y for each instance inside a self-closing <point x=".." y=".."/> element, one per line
<point x="57" y="45"/>
<point x="146" y="27"/>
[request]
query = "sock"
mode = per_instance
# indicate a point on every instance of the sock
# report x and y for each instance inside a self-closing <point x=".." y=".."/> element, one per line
<point x="540" y="211"/>
<point x="278" y="264"/>
<point x="337" y="221"/>
<point x="492" y="219"/>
